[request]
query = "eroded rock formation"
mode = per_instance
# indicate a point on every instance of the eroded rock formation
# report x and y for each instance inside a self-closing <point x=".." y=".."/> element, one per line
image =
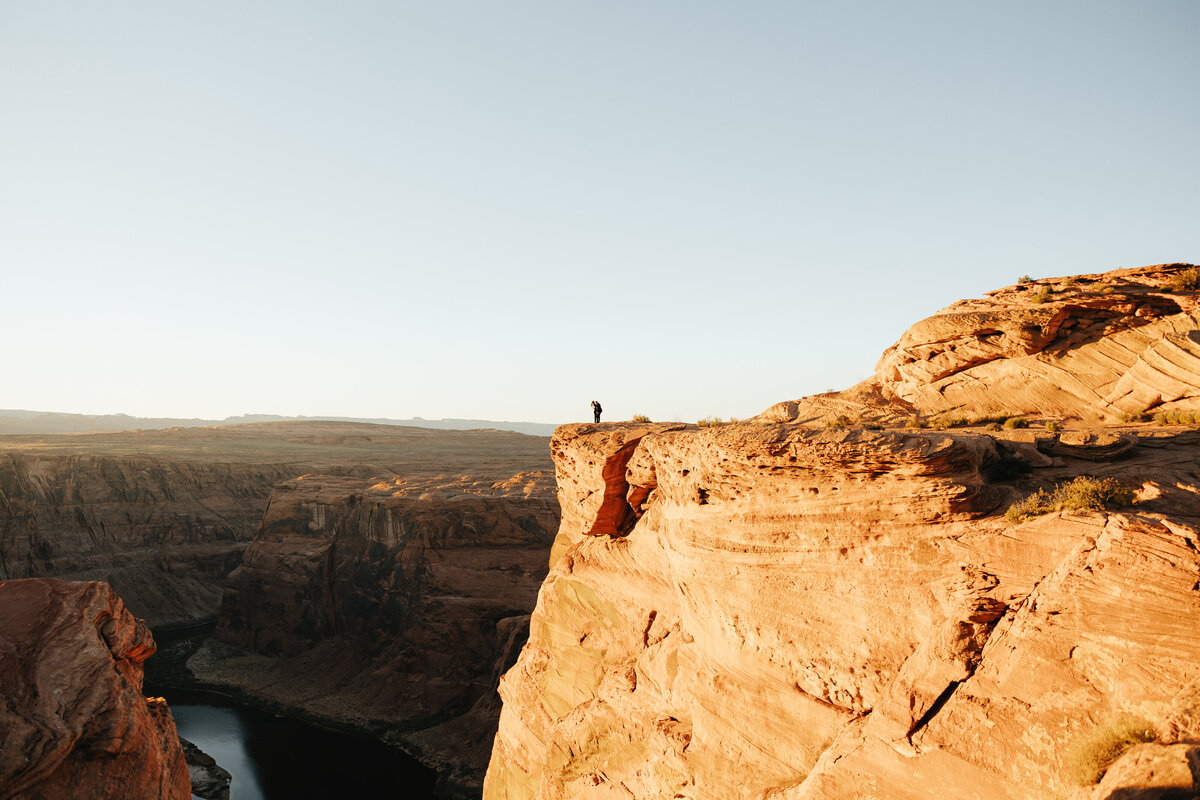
<point x="1092" y="347"/>
<point x="73" y="720"/>
<point x="163" y="516"/>
<point x="389" y="606"/>
<point x="785" y="610"/>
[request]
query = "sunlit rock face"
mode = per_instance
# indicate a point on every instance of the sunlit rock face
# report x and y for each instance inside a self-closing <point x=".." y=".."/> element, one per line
<point x="73" y="721"/>
<point x="392" y="606"/>
<point x="793" y="609"/>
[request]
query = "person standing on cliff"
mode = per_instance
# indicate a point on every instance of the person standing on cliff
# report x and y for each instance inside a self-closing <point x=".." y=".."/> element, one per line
<point x="596" y="409"/>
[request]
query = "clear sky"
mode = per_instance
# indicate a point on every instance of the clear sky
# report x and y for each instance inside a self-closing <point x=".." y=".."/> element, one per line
<point x="504" y="210"/>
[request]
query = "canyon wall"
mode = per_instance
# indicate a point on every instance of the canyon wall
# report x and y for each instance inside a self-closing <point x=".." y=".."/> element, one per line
<point x="164" y="515"/>
<point x="163" y="533"/>
<point x="73" y="721"/>
<point x="388" y="606"/>
<point x="824" y="603"/>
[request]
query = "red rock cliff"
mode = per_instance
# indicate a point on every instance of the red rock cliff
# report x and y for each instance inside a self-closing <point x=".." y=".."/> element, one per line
<point x="784" y="610"/>
<point x="74" y="722"/>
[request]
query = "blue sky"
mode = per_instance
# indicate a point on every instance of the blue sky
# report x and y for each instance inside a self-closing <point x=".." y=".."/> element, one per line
<point x="505" y="210"/>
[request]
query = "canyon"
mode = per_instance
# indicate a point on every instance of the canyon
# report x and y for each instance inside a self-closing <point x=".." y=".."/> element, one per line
<point x="164" y="515"/>
<point x="829" y="601"/>
<point x="825" y="601"/>
<point x="368" y="578"/>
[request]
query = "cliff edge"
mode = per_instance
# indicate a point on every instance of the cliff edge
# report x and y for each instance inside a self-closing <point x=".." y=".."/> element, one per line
<point x="826" y="603"/>
<point x="74" y="722"/>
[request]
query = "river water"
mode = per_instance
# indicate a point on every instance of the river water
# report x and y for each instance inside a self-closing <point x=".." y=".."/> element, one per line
<point x="279" y="759"/>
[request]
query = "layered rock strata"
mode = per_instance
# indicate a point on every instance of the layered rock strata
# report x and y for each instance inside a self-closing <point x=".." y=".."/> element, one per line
<point x="1096" y="347"/>
<point x="73" y="721"/>
<point x="812" y="607"/>
<point x="389" y="606"/>
<point x="163" y="516"/>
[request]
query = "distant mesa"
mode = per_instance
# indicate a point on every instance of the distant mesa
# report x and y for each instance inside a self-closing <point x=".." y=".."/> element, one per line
<point x="19" y="421"/>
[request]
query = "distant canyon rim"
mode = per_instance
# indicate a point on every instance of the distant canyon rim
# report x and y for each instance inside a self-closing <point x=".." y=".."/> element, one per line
<point x="825" y="601"/>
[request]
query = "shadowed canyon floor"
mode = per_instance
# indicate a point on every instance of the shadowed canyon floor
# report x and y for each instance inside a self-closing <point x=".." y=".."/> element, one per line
<point x="824" y="603"/>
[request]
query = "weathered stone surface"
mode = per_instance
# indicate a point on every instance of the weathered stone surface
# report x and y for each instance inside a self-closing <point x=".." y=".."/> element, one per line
<point x="840" y="614"/>
<point x="391" y="606"/>
<point x="73" y="721"/>
<point x="805" y="608"/>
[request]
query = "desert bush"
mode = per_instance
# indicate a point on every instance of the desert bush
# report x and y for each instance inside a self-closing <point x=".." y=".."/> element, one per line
<point x="1187" y="281"/>
<point x="840" y="422"/>
<point x="1092" y="754"/>
<point x="1069" y="281"/>
<point x="710" y="422"/>
<point x="1132" y="416"/>
<point x="1083" y="493"/>
<point x="1042" y="294"/>
<point x="915" y="421"/>
<point x="1016" y="422"/>
<point x="1105" y="289"/>
<point x="1053" y="426"/>
<point x="1177" y="418"/>
<point x="640" y="418"/>
<point x="1024" y="279"/>
<point x="992" y="426"/>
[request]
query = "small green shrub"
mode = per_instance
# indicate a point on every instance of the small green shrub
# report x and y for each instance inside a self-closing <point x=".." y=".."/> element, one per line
<point x="1092" y="754"/>
<point x="1024" y="279"/>
<point x="1053" y="426"/>
<point x="710" y="422"/>
<point x="915" y="421"/>
<point x="1016" y="422"/>
<point x="640" y="418"/>
<point x="1042" y="294"/>
<point x="1187" y="281"/>
<point x="1105" y="289"/>
<point x="1130" y="417"/>
<point x="1177" y="418"/>
<point x="840" y="422"/>
<point x="1083" y="493"/>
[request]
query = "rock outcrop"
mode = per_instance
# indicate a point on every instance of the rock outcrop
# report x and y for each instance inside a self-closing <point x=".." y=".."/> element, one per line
<point x="163" y="516"/>
<point x="73" y="721"/>
<point x="390" y="606"/>
<point x="799" y="611"/>
<point x="1093" y="347"/>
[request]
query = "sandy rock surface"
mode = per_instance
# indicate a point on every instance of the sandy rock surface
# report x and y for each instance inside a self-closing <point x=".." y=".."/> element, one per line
<point x="826" y="604"/>
<point x="73" y="721"/>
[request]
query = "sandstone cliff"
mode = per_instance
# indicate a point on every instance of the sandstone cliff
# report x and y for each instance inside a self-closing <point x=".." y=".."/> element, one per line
<point x="73" y="721"/>
<point x="164" y="515"/>
<point x="389" y="606"/>
<point x="822" y="604"/>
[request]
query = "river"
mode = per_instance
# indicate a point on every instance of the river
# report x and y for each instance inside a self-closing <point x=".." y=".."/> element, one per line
<point x="271" y="758"/>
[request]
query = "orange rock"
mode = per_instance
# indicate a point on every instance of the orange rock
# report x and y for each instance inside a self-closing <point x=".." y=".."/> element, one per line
<point x="804" y="608"/>
<point x="74" y="723"/>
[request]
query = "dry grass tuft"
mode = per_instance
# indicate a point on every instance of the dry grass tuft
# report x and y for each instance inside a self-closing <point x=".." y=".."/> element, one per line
<point x="1091" y="755"/>
<point x="1186" y="281"/>
<point x="639" y="418"/>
